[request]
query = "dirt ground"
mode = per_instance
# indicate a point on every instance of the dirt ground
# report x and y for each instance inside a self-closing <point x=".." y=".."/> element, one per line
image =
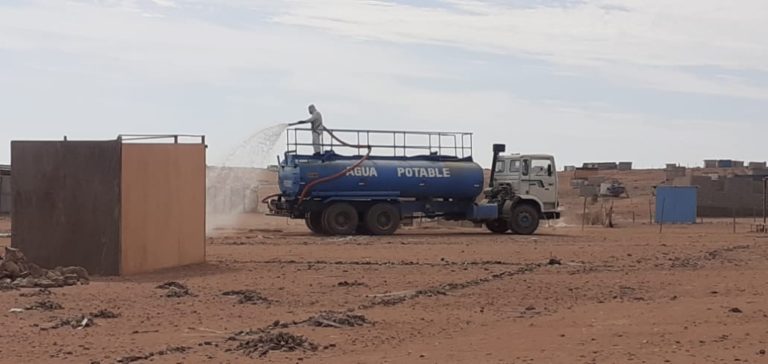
<point x="429" y="294"/>
<point x="692" y="294"/>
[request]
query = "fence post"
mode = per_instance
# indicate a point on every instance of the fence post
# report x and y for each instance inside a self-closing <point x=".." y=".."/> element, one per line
<point x="765" y="199"/>
<point x="661" y="215"/>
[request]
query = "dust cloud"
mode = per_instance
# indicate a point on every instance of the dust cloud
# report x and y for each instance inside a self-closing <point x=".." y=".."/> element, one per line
<point x="235" y="185"/>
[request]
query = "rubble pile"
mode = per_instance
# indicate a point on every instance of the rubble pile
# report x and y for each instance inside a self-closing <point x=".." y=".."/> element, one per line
<point x="17" y="272"/>
<point x="6" y="285"/>
<point x="45" y="305"/>
<point x="175" y="289"/>
<point x="75" y="322"/>
<point x="42" y="292"/>
<point x="337" y="319"/>
<point x="277" y="341"/>
<point x="247" y="296"/>
<point x="105" y="314"/>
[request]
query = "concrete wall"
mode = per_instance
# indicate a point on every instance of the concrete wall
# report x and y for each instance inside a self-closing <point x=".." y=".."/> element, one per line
<point x="163" y="206"/>
<point x="66" y="198"/>
<point x="673" y="172"/>
<point x="722" y="197"/>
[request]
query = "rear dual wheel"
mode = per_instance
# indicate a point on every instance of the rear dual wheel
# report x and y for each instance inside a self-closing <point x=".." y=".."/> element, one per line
<point x="314" y="221"/>
<point x="382" y="219"/>
<point x="342" y="218"/>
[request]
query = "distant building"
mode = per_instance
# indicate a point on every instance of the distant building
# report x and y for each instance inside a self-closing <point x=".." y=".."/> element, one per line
<point x="710" y="163"/>
<point x="625" y="166"/>
<point x="5" y="189"/>
<point x="757" y="165"/>
<point x="724" y="163"/>
<point x="603" y="166"/>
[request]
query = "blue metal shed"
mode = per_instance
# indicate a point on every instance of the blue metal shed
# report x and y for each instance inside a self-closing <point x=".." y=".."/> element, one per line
<point x="676" y="204"/>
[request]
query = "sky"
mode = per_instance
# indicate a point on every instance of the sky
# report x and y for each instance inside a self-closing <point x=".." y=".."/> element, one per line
<point x="648" y="81"/>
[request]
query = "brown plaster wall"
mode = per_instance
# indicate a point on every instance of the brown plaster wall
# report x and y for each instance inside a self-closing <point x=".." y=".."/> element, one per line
<point x="163" y="206"/>
<point x="66" y="198"/>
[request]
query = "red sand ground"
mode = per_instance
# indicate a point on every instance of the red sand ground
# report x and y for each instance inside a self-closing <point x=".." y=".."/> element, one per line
<point x="622" y="295"/>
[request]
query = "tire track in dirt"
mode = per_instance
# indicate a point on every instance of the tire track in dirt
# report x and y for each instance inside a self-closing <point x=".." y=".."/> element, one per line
<point x="445" y="288"/>
<point x="372" y="263"/>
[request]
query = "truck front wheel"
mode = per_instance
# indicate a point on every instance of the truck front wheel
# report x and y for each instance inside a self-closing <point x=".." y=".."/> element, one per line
<point x="382" y="219"/>
<point x="340" y="219"/>
<point x="498" y="226"/>
<point x="524" y="220"/>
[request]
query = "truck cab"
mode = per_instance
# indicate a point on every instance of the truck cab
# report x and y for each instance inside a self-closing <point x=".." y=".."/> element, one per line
<point x="532" y="177"/>
<point x="524" y="189"/>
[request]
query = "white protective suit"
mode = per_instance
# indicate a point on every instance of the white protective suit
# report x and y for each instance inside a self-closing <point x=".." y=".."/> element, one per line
<point x="316" y="120"/>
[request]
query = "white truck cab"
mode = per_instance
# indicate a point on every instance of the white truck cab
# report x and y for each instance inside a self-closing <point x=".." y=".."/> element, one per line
<point x="532" y="177"/>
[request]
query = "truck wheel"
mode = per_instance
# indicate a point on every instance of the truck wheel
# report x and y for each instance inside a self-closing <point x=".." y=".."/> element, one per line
<point x="340" y="219"/>
<point x="382" y="219"/>
<point x="498" y="226"/>
<point x="524" y="220"/>
<point x="314" y="221"/>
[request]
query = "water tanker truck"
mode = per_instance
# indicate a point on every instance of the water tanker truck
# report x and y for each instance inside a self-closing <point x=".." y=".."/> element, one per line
<point x="370" y="193"/>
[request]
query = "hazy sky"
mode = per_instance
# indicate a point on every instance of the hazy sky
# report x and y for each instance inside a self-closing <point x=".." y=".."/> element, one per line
<point x="650" y="81"/>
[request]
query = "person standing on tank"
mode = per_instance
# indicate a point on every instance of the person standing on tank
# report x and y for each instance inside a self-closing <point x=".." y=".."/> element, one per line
<point x="316" y="121"/>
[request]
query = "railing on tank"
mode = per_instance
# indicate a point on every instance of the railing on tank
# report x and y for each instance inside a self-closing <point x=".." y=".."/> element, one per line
<point x="397" y="143"/>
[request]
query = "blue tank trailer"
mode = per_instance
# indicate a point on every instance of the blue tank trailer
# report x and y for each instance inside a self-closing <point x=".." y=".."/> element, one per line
<point x="344" y="195"/>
